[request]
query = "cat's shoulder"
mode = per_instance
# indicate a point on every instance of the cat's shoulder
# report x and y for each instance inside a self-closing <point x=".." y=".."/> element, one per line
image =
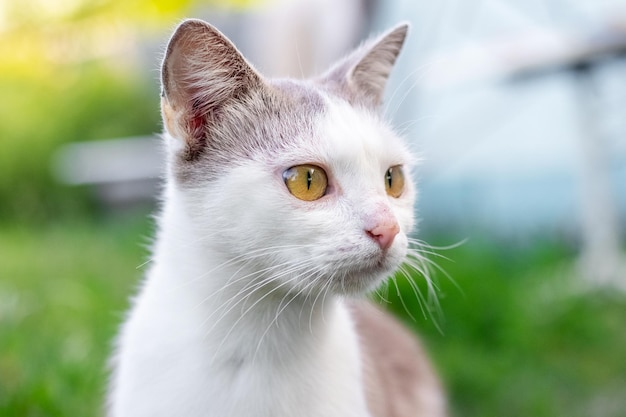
<point x="398" y="378"/>
<point x="381" y="334"/>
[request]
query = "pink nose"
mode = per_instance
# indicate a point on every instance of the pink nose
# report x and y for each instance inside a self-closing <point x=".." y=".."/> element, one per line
<point x="384" y="234"/>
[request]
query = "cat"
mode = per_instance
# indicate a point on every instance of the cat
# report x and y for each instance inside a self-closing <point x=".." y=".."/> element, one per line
<point x="284" y="201"/>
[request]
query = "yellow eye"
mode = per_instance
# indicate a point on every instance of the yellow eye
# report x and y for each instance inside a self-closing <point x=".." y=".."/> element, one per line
<point x="394" y="181"/>
<point x="306" y="182"/>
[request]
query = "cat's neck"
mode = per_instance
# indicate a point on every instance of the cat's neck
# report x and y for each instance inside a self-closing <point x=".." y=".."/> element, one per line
<point x="248" y="315"/>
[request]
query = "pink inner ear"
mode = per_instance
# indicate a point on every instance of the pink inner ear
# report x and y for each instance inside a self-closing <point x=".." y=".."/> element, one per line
<point x="196" y="131"/>
<point x="196" y="126"/>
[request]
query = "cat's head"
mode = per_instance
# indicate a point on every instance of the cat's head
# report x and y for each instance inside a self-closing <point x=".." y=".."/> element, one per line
<point x="300" y="180"/>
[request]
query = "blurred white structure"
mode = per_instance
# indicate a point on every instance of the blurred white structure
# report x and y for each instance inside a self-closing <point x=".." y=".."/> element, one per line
<point x="301" y="38"/>
<point x="122" y="171"/>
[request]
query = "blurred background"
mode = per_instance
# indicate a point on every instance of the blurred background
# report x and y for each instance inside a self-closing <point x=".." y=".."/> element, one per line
<point x="517" y="109"/>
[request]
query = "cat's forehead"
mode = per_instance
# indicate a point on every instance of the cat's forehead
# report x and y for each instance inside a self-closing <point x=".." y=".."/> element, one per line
<point x="337" y="131"/>
<point x="307" y="98"/>
<point x="351" y="133"/>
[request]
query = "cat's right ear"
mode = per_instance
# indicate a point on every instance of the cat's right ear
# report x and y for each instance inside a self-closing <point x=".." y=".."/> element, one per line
<point x="361" y="76"/>
<point x="201" y="73"/>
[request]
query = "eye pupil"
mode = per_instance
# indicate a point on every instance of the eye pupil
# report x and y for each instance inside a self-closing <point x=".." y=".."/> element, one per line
<point x="394" y="181"/>
<point x="309" y="178"/>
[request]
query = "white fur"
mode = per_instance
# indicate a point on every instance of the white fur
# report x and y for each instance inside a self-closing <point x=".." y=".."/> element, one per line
<point x="200" y="342"/>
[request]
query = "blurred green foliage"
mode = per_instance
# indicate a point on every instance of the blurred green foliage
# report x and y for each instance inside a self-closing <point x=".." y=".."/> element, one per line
<point x="38" y="115"/>
<point x="72" y="71"/>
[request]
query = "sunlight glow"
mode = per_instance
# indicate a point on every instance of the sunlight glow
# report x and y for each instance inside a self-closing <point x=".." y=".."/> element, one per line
<point x="57" y="9"/>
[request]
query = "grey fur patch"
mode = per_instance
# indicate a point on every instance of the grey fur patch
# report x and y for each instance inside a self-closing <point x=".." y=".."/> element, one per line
<point x="398" y="379"/>
<point x="258" y="125"/>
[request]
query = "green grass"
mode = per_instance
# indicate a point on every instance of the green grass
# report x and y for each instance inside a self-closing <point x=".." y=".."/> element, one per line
<point x="518" y="340"/>
<point x="63" y="290"/>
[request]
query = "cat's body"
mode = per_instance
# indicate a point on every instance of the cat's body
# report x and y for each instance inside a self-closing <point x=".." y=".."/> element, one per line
<point x="243" y="312"/>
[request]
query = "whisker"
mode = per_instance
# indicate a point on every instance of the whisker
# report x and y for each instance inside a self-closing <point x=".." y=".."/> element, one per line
<point x="398" y="293"/>
<point x="240" y="298"/>
<point x="322" y="292"/>
<point x="267" y="294"/>
<point x="246" y="257"/>
<point x="382" y="293"/>
<point x="423" y="260"/>
<point x="279" y="310"/>
<point x="251" y="287"/>
<point x="418" y="260"/>
<point x="421" y="301"/>
<point x="259" y="253"/>
<point x="432" y="301"/>
<point x="423" y="244"/>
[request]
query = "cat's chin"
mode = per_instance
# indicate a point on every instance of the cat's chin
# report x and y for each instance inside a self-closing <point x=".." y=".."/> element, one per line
<point x="362" y="280"/>
<point x="367" y="274"/>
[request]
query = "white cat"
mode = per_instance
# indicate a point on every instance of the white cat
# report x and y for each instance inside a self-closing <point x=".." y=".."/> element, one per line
<point x="283" y="199"/>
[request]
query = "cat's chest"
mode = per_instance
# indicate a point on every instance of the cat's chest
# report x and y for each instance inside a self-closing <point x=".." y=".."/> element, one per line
<point x="308" y="366"/>
<point x="325" y="381"/>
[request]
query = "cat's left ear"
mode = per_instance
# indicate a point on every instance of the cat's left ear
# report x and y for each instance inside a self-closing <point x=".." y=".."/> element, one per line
<point x="361" y="76"/>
